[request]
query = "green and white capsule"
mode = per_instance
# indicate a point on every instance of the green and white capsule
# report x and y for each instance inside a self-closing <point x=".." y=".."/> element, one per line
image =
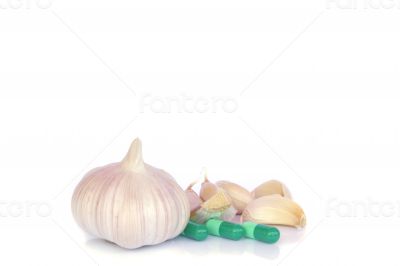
<point x="224" y="229"/>
<point x="263" y="233"/>
<point x="195" y="231"/>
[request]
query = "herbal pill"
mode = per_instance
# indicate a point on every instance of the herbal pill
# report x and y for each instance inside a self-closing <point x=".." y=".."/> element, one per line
<point x="225" y="229"/>
<point x="261" y="232"/>
<point x="195" y="231"/>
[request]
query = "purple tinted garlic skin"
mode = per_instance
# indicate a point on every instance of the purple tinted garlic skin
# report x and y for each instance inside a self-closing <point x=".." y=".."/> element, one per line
<point x="130" y="203"/>
<point x="194" y="199"/>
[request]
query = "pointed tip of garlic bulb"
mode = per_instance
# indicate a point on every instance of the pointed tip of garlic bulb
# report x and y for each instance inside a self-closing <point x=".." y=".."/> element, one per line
<point x="134" y="158"/>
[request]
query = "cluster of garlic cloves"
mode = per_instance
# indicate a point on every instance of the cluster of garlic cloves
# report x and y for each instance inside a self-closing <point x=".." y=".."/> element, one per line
<point x="239" y="195"/>
<point x="130" y="202"/>
<point x="269" y="203"/>
<point x="212" y="202"/>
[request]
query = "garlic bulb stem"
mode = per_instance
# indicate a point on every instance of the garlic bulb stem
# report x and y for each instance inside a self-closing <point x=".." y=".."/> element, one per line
<point x="134" y="159"/>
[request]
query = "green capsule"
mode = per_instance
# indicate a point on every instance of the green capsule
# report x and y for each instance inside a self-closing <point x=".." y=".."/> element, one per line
<point x="195" y="231"/>
<point x="261" y="232"/>
<point x="225" y="229"/>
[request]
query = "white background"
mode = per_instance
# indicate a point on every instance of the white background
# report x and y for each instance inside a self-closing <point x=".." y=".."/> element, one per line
<point x="306" y="92"/>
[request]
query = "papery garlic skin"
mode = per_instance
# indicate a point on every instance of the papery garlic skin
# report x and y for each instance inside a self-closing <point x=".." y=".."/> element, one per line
<point x="218" y="206"/>
<point x="194" y="199"/>
<point x="130" y="203"/>
<point x="239" y="195"/>
<point x="207" y="190"/>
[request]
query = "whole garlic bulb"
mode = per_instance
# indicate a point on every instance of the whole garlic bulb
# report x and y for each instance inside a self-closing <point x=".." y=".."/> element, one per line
<point x="130" y="203"/>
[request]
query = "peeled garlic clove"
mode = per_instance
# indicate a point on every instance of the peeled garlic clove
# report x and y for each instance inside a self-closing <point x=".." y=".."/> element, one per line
<point x="207" y="190"/>
<point x="275" y="210"/>
<point x="217" y="206"/>
<point x="239" y="195"/>
<point x="130" y="202"/>
<point x="193" y="197"/>
<point x="220" y="201"/>
<point x="271" y="187"/>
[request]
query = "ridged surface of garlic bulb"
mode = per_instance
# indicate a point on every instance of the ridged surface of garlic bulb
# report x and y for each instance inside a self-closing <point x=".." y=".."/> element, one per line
<point x="130" y="203"/>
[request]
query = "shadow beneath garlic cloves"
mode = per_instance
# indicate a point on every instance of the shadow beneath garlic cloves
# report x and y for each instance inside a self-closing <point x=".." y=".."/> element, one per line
<point x="249" y="246"/>
<point x="290" y="235"/>
<point x="266" y="251"/>
<point x="215" y="245"/>
<point x="196" y="248"/>
<point x="211" y="246"/>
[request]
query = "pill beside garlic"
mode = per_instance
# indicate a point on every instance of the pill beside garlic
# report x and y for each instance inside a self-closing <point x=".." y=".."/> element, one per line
<point x="134" y="204"/>
<point x="130" y="202"/>
<point x="269" y="203"/>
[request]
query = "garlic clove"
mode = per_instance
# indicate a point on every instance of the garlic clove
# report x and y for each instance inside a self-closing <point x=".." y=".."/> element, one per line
<point x="219" y="201"/>
<point x="276" y="210"/>
<point x="239" y="195"/>
<point x="271" y="187"/>
<point x="207" y="189"/>
<point x="130" y="202"/>
<point x="217" y="206"/>
<point x="194" y="199"/>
